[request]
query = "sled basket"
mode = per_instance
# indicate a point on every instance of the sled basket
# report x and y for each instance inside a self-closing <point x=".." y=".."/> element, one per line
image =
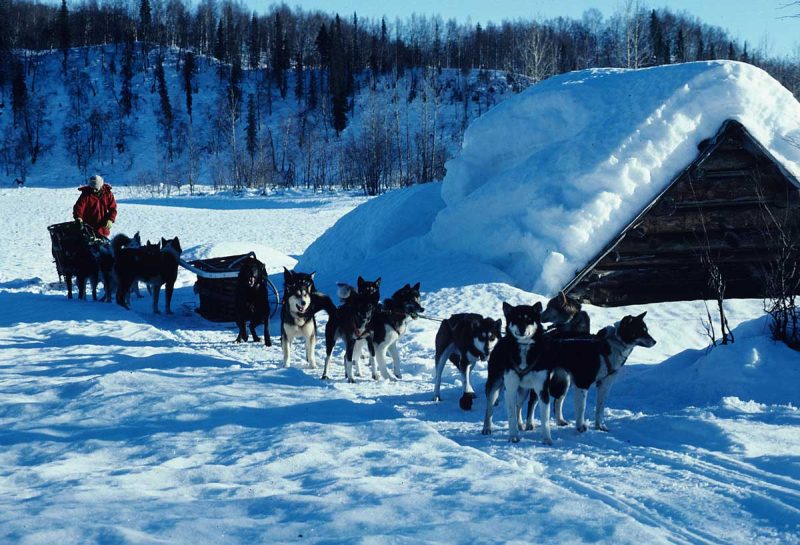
<point x="67" y="246"/>
<point x="216" y="285"/>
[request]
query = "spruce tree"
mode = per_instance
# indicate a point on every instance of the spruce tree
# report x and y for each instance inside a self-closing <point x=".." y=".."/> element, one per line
<point x="280" y="56"/>
<point x="126" y="93"/>
<point x="64" y="39"/>
<point x="219" y="44"/>
<point x="299" y="76"/>
<point x="189" y="70"/>
<point x="254" y="48"/>
<point x="19" y="91"/>
<point x="144" y="20"/>
<point x="251" y="130"/>
<point x="312" y="90"/>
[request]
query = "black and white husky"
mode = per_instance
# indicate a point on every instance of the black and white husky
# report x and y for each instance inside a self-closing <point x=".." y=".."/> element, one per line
<point x="512" y="364"/>
<point x="301" y="302"/>
<point x="388" y="325"/>
<point x="567" y="319"/>
<point x="464" y="339"/>
<point x="596" y="360"/>
<point x="363" y="287"/>
<point x="350" y="322"/>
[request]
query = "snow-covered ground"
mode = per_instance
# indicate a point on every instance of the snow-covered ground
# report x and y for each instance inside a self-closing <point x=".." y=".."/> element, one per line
<point x="127" y="427"/>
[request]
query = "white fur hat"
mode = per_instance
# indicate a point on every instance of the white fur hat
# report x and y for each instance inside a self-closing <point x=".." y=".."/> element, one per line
<point x="96" y="181"/>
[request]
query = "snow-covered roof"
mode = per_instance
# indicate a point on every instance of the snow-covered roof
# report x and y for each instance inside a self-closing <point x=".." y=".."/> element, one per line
<point x="546" y="179"/>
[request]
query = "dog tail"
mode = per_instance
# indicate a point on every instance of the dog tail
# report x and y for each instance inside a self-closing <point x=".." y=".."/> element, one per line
<point x="343" y="291"/>
<point x="119" y="242"/>
<point x="325" y="303"/>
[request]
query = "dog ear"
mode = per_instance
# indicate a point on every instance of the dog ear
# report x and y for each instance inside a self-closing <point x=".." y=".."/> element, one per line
<point x="287" y="275"/>
<point x="641" y="316"/>
<point x="415" y="287"/>
<point x="499" y="325"/>
<point x="312" y="275"/>
<point x="378" y="282"/>
<point x="538" y="307"/>
<point x="164" y="241"/>
<point x="626" y="320"/>
<point x="360" y="283"/>
<point x="506" y="309"/>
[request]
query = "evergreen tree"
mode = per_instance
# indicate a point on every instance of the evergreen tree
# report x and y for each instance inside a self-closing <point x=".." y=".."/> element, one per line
<point x="145" y="21"/>
<point x="680" y="47"/>
<point x="163" y="94"/>
<point x="338" y="77"/>
<point x="64" y="39"/>
<point x="19" y="91"/>
<point x="126" y="93"/>
<point x="251" y="130"/>
<point x="658" y="45"/>
<point x="312" y="90"/>
<point x="234" y="84"/>
<point x="384" y="48"/>
<point x="254" y="43"/>
<point x="189" y="70"/>
<point x="220" y="52"/>
<point x="280" y="56"/>
<point x="299" y="76"/>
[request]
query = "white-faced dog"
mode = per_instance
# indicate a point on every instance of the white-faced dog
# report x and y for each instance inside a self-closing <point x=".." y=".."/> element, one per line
<point x="512" y="364"/>
<point x="388" y="325"/>
<point x="464" y="339"/>
<point x="300" y="304"/>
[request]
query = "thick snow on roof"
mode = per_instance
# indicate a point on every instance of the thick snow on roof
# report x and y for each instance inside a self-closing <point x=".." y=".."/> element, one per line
<point x="546" y="179"/>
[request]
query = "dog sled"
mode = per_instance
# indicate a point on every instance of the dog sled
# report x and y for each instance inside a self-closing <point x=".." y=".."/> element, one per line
<point x="216" y="286"/>
<point x="70" y="242"/>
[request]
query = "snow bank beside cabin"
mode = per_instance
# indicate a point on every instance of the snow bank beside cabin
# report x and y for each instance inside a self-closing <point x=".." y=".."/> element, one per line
<point x="545" y="180"/>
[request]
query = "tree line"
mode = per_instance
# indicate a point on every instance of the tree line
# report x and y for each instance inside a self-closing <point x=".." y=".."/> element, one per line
<point x="323" y="62"/>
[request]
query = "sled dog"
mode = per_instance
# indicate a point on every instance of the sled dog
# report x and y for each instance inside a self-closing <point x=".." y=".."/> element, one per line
<point x="350" y="322"/>
<point x="301" y="302"/>
<point x="154" y="264"/>
<point x="512" y="364"/>
<point x="251" y="302"/>
<point x="464" y="339"/>
<point x="389" y="324"/>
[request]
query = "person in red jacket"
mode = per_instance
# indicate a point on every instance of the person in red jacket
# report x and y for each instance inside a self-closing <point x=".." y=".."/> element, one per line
<point x="96" y="206"/>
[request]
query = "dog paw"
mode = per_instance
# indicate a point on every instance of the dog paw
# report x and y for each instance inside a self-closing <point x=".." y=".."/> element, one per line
<point x="351" y="380"/>
<point x="529" y="427"/>
<point x="562" y="422"/>
<point x="473" y="395"/>
<point x="239" y="340"/>
<point x="398" y="376"/>
<point x="486" y="431"/>
<point x="601" y="427"/>
<point x="514" y="438"/>
<point x="169" y="311"/>
<point x="156" y="311"/>
<point x="325" y="377"/>
<point x="437" y="398"/>
<point x="547" y="441"/>
<point x="267" y="341"/>
<point x="581" y="428"/>
<point x="256" y="339"/>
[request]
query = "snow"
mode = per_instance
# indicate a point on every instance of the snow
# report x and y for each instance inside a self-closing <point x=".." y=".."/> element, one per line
<point x="127" y="427"/>
<point x="547" y="178"/>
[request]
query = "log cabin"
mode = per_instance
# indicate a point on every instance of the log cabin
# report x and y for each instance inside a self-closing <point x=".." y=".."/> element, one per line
<point x="735" y="207"/>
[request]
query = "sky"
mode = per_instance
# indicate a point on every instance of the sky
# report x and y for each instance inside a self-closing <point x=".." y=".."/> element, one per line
<point x="762" y="23"/>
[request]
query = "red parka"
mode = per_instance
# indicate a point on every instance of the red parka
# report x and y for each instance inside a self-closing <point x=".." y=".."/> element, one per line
<point x="96" y="208"/>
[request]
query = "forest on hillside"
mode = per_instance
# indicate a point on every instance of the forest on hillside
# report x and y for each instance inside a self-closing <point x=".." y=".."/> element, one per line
<point x="299" y="97"/>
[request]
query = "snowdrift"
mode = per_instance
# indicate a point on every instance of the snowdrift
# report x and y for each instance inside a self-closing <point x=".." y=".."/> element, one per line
<point x="547" y="178"/>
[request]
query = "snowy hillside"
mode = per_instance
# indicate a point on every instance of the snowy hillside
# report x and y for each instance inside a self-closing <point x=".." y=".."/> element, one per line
<point x="127" y="427"/>
<point x="82" y="128"/>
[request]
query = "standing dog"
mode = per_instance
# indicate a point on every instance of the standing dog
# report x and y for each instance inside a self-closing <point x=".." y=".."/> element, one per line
<point x="464" y="339"/>
<point x="363" y="287"/>
<point x="512" y="364"/>
<point x="154" y="264"/>
<point x="251" y="303"/>
<point x="350" y="322"/>
<point x="388" y="325"/>
<point x="301" y="302"/>
<point x="596" y="360"/>
<point x="568" y="320"/>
